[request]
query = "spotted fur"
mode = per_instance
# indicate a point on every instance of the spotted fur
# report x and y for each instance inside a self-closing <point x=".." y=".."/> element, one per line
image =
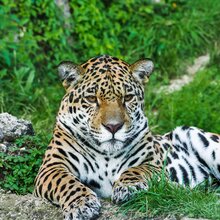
<point x="102" y="145"/>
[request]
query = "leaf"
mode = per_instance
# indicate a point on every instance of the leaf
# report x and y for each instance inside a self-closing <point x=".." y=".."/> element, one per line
<point x="3" y="73"/>
<point x="30" y="79"/>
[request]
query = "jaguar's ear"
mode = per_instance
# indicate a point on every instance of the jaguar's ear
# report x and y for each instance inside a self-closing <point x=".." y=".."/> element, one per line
<point x="142" y="70"/>
<point x="69" y="73"/>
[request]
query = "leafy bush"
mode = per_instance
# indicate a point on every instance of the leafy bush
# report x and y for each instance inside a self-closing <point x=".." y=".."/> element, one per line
<point x="19" y="167"/>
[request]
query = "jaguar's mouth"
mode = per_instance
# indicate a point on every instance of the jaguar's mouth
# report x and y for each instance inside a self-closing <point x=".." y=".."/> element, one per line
<point x="112" y="145"/>
<point x="113" y="141"/>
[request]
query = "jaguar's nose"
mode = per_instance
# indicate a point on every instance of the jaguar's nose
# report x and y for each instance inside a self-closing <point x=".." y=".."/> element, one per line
<point x="113" y="128"/>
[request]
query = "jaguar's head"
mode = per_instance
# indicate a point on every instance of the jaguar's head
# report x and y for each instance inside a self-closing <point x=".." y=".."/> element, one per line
<point x="103" y="105"/>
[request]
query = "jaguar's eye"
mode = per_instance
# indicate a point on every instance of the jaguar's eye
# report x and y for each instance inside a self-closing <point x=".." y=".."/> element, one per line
<point x="128" y="98"/>
<point x="91" y="99"/>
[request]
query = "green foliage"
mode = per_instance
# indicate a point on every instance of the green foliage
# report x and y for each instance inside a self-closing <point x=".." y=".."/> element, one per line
<point x="195" y="105"/>
<point x="35" y="36"/>
<point x="164" y="199"/>
<point x="19" y="167"/>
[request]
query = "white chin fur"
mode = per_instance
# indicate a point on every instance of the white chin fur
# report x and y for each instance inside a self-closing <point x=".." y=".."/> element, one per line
<point x="110" y="147"/>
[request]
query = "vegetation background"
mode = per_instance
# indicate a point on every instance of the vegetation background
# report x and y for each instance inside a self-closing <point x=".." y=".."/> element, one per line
<point x="35" y="36"/>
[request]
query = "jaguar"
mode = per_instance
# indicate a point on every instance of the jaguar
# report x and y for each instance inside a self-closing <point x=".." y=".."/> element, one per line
<point x="102" y="146"/>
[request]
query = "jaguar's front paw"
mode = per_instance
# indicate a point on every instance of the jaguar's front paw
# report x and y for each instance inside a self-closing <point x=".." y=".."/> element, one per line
<point x="122" y="192"/>
<point x="83" y="208"/>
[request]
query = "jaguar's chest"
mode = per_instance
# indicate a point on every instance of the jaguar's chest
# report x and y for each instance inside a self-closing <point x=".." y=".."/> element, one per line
<point x="103" y="175"/>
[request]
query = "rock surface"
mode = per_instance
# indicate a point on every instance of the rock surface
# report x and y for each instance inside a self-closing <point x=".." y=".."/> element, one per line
<point x="12" y="127"/>
<point x="28" y="207"/>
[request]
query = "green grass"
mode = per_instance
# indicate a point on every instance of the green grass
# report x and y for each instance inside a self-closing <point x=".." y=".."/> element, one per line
<point x="166" y="199"/>
<point x="196" y="104"/>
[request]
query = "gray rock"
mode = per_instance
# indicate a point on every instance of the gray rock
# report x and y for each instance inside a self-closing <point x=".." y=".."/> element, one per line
<point x="12" y="127"/>
<point x="3" y="148"/>
<point x="26" y="207"/>
<point x="1" y="135"/>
